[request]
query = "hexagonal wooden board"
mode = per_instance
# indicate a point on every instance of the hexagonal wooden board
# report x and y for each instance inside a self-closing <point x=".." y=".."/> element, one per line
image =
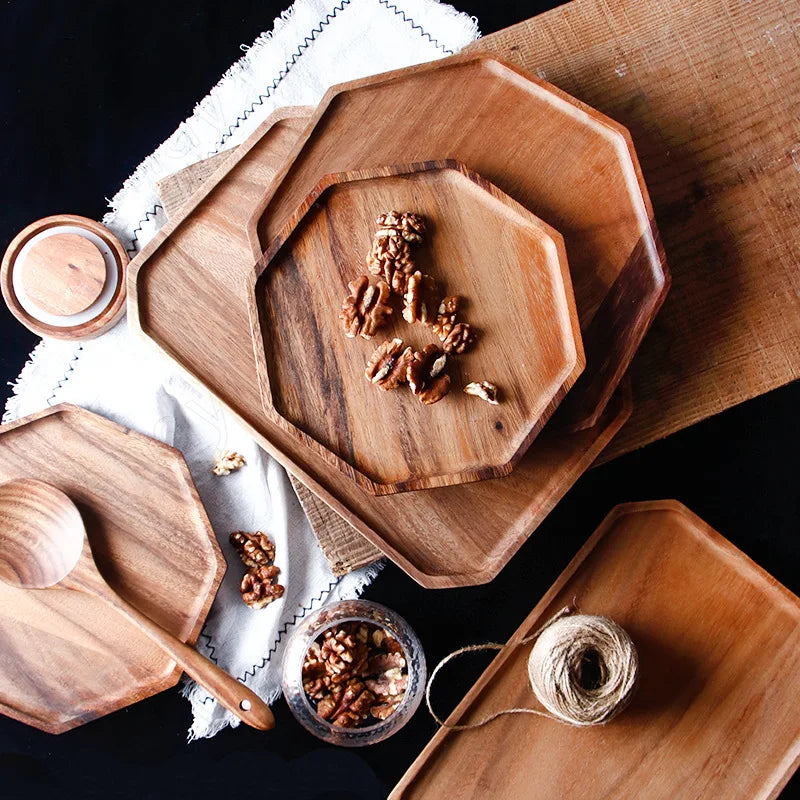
<point x="507" y="265"/>
<point x="65" y="658"/>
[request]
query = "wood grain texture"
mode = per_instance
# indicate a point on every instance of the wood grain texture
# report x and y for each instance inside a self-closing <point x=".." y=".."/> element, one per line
<point x="44" y="546"/>
<point x="344" y="547"/>
<point x="453" y="536"/>
<point x="709" y="92"/>
<point x="509" y="267"/>
<point x="715" y="711"/>
<point x="64" y="274"/>
<point x="155" y="546"/>
<point x="105" y="320"/>
<point x="574" y="168"/>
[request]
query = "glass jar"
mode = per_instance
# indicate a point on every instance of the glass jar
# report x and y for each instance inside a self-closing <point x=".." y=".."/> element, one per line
<point x="311" y="628"/>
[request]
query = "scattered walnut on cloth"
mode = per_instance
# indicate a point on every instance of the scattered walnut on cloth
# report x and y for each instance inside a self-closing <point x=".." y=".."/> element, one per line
<point x="386" y="367"/>
<point x="227" y="462"/>
<point x="259" y="585"/>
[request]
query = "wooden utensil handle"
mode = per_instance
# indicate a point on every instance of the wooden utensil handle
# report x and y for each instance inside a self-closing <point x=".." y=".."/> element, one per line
<point x="232" y="694"/>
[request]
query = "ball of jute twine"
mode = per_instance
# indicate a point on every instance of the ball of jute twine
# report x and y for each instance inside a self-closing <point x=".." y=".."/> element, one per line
<point x="557" y="666"/>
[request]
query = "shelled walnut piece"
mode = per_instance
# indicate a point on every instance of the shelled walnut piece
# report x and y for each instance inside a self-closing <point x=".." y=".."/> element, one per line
<point x="426" y="376"/>
<point x="366" y="308"/>
<point x="486" y="390"/>
<point x="420" y="299"/>
<point x="386" y="367"/>
<point x="356" y="673"/>
<point x="259" y="585"/>
<point x="228" y="462"/>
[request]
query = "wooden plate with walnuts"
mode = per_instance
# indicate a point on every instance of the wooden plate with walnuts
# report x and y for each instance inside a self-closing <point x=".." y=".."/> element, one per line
<point x="415" y="326"/>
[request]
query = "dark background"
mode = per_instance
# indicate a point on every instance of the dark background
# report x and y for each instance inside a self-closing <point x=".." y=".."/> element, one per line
<point x="87" y="91"/>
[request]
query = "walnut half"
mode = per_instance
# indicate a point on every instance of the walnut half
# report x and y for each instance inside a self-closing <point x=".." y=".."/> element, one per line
<point x="426" y="376"/>
<point x="259" y="587"/>
<point x="255" y="549"/>
<point x="485" y="390"/>
<point x="386" y="367"/>
<point x="421" y="299"/>
<point x="227" y="462"/>
<point x="366" y="308"/>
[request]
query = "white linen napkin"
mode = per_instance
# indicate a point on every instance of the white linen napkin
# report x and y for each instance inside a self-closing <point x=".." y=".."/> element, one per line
<point x="313" y="45"/>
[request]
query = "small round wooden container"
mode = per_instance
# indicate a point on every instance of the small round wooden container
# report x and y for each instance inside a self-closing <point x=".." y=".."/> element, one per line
<point x="64" y="277"/>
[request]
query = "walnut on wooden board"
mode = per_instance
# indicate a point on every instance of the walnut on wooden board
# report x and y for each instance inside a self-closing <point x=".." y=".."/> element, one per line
<point x="227" y="462"/>
<point x="421" y="299"/>
<point x="486" y="390"/>
<point x="259" y="586"/>
<point x="390" y="258"/>
<point x="366" y="308"/>
<point x="446" y="316"/>
<point x="255" y="549"/>
<point x="356" y="673"/>
<point x="407" y="225"/>
<point x="386" y="367"/>
<point x="426" y="376"/>
<point x="460" y="338"/>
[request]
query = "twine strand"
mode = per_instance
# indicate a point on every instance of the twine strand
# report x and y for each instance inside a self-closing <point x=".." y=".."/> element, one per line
<point x="555" y="671"/>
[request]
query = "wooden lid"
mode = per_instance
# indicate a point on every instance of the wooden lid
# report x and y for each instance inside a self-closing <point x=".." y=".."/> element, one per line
<point x="63" y="276"/>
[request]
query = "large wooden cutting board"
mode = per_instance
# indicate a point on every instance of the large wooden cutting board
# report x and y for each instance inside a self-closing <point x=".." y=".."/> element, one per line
<point x="454" y="536"/>
<point x="709" y="91"/>
<point x="66" y="657"/>
<point x="715" y="712"/>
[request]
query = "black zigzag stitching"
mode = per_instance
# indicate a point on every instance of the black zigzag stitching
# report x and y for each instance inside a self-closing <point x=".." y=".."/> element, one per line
<point x="304" y="45"/>
<point x="133" y="249"/>
<point x="65" y="376"/>
<point x="425" y="35"/>
<point x="211" y="648"/>
<point x="250" y="673"/>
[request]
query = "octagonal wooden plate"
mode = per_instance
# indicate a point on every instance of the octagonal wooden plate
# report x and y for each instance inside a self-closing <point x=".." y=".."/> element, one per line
<point x="66" y="658"/>
<point x="451" y="536"/>
<point x="715" y="711"/>
<point x="565" y="162"/>
<point x="509" y="267"/>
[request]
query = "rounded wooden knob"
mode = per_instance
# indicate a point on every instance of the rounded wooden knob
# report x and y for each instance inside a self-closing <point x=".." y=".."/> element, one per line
<point x="63" y="274"/>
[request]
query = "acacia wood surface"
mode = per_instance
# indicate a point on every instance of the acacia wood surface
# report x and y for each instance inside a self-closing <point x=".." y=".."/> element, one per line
<point x="509" y="268"/>
<point x="714" y="714"/>
<point x="52" y="286"/>
<point x="453" y="536"/>
<point x="67" y="658"/>
<point x="43" y="545"/>
<point x="64" y="274"/>
<point x="709" y="92"/>
<point x="571" y="166"/>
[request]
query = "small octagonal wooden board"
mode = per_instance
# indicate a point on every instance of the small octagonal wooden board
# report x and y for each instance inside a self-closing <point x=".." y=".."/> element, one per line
<point x="66" y="658"/>
<point x="509" y="268"/>
<point x="715" y="711"/>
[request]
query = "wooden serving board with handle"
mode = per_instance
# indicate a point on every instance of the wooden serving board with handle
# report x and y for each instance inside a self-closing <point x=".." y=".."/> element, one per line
<point x="709" y="92"/>
<point x="509" y="270"/>
<point x="453" y="536"/>
<point x="715" y="711"/>
<point x="66" y="657"/>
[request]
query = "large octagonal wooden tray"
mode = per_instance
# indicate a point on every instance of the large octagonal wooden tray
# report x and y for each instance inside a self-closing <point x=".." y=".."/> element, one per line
<point x="509" y="268"/>
<point x="565" y="162"/>
<point x="65" y="657"/>
<point x="715" y="712"/>
<point x="187" y="296"/>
